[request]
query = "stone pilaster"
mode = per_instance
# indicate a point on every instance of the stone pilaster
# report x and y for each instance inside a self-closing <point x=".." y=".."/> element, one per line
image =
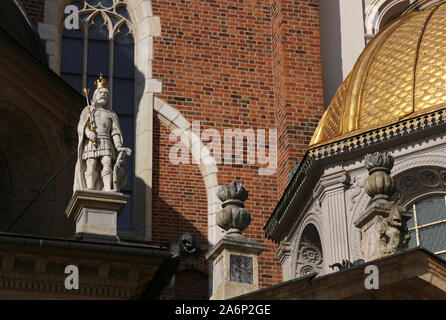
<point x="284" y="254"/>
<point x="331" y="193"/>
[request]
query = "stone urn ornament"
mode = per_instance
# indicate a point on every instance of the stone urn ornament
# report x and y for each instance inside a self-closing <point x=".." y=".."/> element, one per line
<point x="379" y="184"/>
<point x="233" y="218"/>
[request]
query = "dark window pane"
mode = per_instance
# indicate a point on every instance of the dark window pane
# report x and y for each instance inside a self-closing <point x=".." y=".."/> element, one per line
<point x="413" y="239"/>
<point x="78" y="4"/>
<point x="127" y="128"/>
<point x="98" y="31"/>
<point x="98" y="51"/>
<point x="411" y="222"/>
<point x="73" y="33"/>
<point x="107" y="3"/>
<point x="93" y="2"/>
<point x="72" y="50"/>
<point x="123" y="12"/>
<point x="125" y="219"/>
<point x="129" y="184"/>
<point x="442" y="256"/>
<point x="124" y="56"/>
<point x="73" y="80"/>
<point x="123" y="97"/>
<point x="433" y="238"/>
<point x="431" y="210"/>
<point x="114" y="20"/>
<point x="97" y="57"/>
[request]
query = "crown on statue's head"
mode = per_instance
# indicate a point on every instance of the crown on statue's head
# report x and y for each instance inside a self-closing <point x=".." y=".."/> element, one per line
<point x="101" y="82"/>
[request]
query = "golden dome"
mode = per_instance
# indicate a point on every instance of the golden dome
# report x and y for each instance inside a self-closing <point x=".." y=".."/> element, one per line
<point x="400" y="74"/>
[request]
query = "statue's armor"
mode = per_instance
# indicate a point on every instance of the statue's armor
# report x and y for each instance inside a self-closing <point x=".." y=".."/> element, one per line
<point x="105" y="129"/>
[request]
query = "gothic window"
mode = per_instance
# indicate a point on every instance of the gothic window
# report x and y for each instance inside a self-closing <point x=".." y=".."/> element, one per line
<point x="309" y="254"/>
<point x="104" y="43"/>
<point x="428" y="225"/>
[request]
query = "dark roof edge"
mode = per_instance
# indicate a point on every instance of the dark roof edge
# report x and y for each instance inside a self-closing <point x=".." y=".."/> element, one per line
<point x="4" y="35"/>
<point x="126" y="248"/>
<point x="410" y="127"/>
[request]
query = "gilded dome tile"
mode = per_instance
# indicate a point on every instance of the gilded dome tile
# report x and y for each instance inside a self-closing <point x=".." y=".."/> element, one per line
<point x="400" y="74"/>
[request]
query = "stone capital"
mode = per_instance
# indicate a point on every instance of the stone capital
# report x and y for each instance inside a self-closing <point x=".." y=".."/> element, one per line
<point x="238" y="244"/>
<point x="284" y="251"/>
<point x="330" y="183"/>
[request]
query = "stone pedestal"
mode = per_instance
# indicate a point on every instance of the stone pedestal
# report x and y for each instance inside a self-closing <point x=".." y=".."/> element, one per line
<point x="96" y="214"/>
<point x="383" y="230"/>
<point x="235" y="266"/>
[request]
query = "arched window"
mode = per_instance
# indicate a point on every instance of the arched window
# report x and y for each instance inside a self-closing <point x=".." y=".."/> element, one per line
<point x="309" y="255"/>
<point x="104" y="43"/>
<point x="428" y="224"/>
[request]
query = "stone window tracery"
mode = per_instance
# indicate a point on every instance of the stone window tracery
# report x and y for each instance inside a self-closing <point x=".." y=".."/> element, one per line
<point x="428" y="225"/>
<point x="422" y="190"/>
<point x="104" y="43"/>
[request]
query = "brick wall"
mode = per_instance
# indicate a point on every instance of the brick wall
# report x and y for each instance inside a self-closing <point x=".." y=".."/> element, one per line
<point x="297" y="79"/>
<point x="214" y="58"/>
<point x="179" y="197"/>
<point x="238" y="64"/>
<point x="34" y="9"/>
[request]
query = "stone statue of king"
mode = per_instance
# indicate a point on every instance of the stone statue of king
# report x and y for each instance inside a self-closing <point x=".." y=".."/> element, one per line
<point x="101" y="155"/>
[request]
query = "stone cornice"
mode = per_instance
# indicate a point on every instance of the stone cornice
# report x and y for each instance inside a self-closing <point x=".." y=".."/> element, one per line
<point x="327" y="183"/>
<point x="237" y="243"/>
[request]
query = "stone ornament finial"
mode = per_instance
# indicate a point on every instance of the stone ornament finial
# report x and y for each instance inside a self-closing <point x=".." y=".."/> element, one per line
<point x="235" y="258"/>
<point x="379" y="185"/>
<point x="233" y="218"/>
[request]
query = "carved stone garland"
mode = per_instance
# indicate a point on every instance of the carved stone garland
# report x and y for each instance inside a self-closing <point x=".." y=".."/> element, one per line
<point x="309" y="259"/>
